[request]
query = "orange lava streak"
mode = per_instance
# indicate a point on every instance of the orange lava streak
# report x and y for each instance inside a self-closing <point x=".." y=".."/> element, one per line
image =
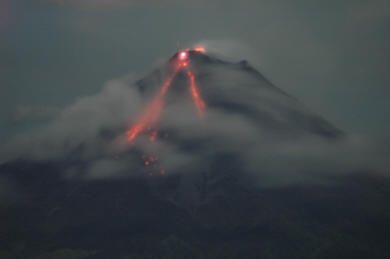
<point x="152" y="112"/>
<point x="195" y="93"/>
<point x="154" y="109"/>
<point x="200" y="49"/>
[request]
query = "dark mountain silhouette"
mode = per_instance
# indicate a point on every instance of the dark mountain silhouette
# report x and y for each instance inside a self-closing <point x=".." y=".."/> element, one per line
<point x="218" y="212"/>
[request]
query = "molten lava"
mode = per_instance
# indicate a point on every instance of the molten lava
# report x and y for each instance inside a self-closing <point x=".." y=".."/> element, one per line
<point x="195" y="93"/>
<point x="200" y="49"/>
<point x="183" y="55"/>
<point x="153" y="111"/>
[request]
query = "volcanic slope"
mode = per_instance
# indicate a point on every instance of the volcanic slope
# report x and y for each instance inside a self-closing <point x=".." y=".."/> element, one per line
<point x="238" y="89"/>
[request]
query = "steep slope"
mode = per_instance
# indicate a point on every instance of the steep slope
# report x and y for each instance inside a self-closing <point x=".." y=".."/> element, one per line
<point x="239" y="88"/>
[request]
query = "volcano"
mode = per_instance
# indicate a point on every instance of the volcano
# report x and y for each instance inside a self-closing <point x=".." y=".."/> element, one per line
<point x="179" y="177"/>
<point x="225" y="86"/>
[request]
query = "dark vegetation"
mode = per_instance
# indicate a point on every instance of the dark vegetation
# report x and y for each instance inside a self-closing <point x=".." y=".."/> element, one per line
<point x="217" y="217"/>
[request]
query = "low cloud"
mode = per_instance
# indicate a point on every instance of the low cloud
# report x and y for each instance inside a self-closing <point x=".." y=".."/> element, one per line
<point x="80" y="123"/>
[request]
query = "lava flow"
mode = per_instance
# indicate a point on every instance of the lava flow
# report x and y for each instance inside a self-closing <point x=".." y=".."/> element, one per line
<point x="195" y="93"/>
<point x="153" y="111"/>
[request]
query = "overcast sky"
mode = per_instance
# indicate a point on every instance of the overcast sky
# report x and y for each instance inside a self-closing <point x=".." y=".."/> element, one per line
<point x="332" y="55"/>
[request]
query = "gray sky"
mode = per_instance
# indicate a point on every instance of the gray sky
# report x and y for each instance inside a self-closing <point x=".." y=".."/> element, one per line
<point x="332" y="55"/>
